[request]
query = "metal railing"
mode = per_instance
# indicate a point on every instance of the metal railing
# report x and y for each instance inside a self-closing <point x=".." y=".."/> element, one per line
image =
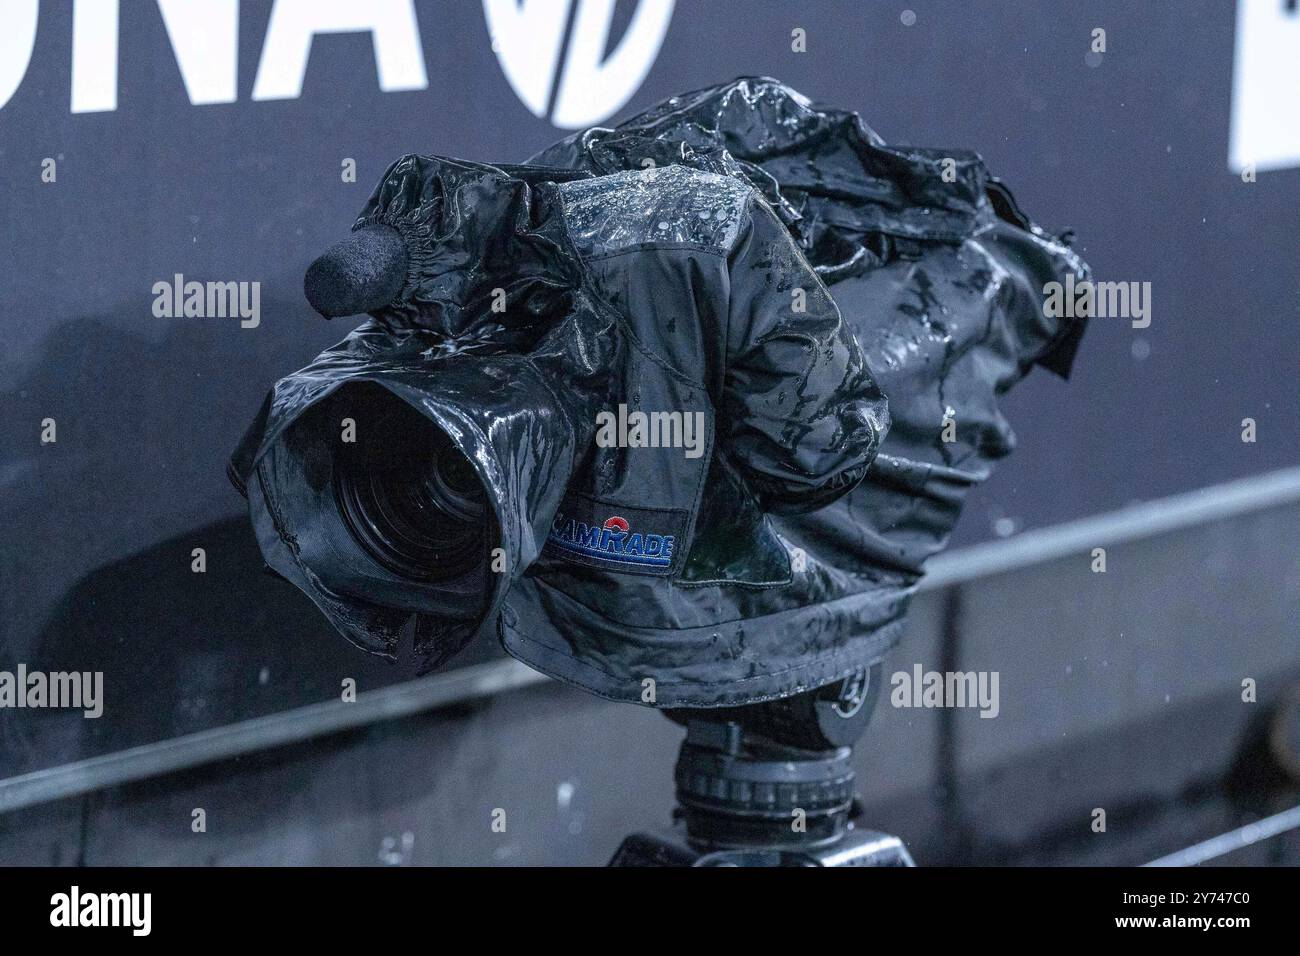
<point x="1145" y="520"/>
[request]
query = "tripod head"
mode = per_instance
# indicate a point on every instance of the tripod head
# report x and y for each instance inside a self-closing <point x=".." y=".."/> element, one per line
<point x="771" y="784"/>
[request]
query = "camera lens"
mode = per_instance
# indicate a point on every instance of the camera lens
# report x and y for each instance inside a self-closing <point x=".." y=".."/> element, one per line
<point x="410" y="498"/>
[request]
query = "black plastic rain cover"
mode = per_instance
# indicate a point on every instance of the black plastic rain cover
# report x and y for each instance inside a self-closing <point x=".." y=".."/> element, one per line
<point x="934" y="268"/>
<point x="936" y="273"/>
<point x="697" y="592"/>
<point x="444" y="351"/>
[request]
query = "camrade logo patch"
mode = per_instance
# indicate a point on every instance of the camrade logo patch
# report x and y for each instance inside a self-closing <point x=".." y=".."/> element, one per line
<point x="631" y="540"/>
<point x="552" y="52"/>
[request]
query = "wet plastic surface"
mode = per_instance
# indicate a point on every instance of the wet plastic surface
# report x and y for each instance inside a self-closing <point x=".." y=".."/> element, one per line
<point x="527" y="309"/>
<point x="671" y="290"/>
<point x="934" y="268"/>
<point x="485" y="380"/>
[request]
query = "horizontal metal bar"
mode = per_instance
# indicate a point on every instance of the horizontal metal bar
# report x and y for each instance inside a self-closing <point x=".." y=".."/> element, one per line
<point x="1237" y="839"/>
<point x="439" y="690"/>
<point x="264" y="733"/>
<point x="1146" y="520"/>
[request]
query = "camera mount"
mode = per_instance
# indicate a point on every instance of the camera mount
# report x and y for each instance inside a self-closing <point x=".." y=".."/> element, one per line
<point x="771" y="784"/>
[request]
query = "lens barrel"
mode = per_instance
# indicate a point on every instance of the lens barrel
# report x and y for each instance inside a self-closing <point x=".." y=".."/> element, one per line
<point x="410" y="499"/>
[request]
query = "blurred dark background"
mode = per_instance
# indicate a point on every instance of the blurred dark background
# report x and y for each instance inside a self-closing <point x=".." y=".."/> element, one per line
<point x="1130" y="148"/>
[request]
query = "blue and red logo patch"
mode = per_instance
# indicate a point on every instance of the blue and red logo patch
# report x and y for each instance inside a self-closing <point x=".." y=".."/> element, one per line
<point x="631" y="539"/>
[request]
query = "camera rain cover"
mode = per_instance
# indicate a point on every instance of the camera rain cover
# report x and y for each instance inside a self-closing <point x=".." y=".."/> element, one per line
<point x="936" y="271"/>
<point x="650" y="269"/>
<point x="540" y="307"/>
<point x="485" y="378"/>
